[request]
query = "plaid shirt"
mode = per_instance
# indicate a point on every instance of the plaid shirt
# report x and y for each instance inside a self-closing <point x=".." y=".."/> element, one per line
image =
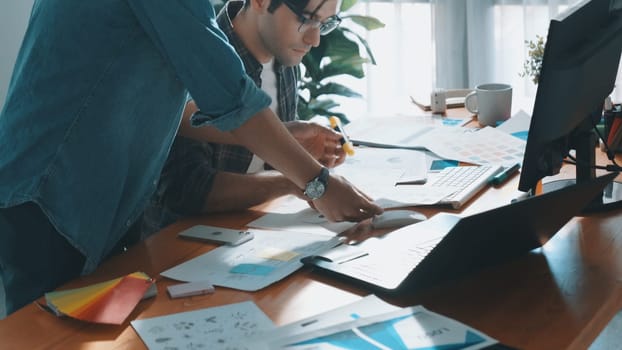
<point x="188" y="174"/>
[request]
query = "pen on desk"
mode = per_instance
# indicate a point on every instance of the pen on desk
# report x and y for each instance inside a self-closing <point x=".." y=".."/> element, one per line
<point x="310" y="322"/>
<point x="335" y="124"/>
<point x="504" y="175"/>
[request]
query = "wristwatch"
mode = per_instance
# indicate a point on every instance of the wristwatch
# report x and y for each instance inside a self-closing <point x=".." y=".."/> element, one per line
<point x="316" y="187"/>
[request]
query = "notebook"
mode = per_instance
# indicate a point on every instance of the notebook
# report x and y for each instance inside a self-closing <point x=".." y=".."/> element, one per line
<point x="448" y="246"/>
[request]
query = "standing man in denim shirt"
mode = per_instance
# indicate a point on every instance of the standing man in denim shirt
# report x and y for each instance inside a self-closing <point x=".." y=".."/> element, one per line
<point x="201" y="177"/>
<point x="93" y="105"/>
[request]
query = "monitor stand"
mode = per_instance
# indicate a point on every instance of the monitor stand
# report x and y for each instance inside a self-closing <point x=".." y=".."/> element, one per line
<point x="610" y="199"/>
<point x="584" y="141"/>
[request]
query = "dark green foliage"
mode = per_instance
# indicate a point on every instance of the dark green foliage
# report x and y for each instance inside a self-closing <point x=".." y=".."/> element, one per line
<point x="339" y="53"/>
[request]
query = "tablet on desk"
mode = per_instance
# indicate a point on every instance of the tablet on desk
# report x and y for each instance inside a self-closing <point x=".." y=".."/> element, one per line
<point x="218" y="235"/>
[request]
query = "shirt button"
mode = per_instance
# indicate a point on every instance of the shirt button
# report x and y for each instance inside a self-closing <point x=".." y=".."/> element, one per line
<point x="128" y="223"/>
<point x="155" y="182"/>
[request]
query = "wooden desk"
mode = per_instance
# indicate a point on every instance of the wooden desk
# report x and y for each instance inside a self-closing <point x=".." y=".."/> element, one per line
<point x="559" y="297"/>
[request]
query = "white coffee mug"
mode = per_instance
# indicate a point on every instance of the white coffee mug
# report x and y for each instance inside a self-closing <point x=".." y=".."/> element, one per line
<point x="491" y="102"/>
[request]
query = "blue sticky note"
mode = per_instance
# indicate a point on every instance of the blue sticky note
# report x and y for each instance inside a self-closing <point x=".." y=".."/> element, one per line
<point x="452" y="122"/>
<point x="441" y="164"/>
<point x="252" y="269"/>
<point x="521" y="135"/>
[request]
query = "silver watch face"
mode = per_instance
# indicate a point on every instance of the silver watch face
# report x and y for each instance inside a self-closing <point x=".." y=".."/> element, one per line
<point x="315" y="189"/>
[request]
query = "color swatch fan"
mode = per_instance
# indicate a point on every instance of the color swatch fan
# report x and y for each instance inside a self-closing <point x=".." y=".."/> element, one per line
<point x="107" y="302"/>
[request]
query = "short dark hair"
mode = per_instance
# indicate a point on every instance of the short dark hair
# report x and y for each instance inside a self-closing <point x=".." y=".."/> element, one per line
<point x="274" y="4"/>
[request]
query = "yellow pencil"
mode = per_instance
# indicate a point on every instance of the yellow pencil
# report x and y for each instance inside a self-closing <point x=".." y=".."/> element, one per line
<point x="347" y="145"/>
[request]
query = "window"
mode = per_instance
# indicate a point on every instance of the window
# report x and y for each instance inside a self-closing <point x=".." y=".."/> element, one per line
<point x="404" y="55"/>
<point x="446" y="43"/>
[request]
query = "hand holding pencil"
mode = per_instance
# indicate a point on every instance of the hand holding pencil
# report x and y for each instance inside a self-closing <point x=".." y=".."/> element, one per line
<point x="347" y="145"/>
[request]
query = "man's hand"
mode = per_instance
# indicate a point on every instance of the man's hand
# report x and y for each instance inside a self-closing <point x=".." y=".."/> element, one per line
<point x="320" y="141"/>
<point x="265" y="135"/>
<point x="344" y="202"/>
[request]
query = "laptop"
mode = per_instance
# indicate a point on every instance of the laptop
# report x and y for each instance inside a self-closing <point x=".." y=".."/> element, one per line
<point x="448" y="246"/>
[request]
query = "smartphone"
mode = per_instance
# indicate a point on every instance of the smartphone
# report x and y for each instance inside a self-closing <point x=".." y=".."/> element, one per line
<point x="217" y="235"/>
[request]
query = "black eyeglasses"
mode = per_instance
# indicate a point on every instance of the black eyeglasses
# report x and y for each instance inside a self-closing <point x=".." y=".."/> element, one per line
<point x="306" y="23"/>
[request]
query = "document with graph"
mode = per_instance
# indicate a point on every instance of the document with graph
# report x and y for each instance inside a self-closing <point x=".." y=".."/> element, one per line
<point x="470" y="145"/>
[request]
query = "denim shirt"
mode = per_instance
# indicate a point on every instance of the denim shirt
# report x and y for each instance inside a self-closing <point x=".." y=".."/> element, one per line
<point x="95" y="101"/>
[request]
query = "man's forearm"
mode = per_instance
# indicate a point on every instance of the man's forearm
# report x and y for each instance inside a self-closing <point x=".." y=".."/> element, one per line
<point x="265" y="135"/>
<point x="231" y="191"/>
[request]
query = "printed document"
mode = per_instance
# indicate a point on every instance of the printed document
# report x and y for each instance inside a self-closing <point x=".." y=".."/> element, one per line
<point x="373" y="324"/>
<point x="221" y="327"/>
<point x="268" y="258"/>
<point x="470" y="145"/>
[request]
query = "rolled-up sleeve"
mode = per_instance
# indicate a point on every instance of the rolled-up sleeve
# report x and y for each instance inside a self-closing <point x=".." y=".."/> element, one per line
<point x="187" y="35"/>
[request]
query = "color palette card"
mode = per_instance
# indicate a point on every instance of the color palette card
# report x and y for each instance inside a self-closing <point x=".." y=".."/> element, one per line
<point x="107" y="302"/>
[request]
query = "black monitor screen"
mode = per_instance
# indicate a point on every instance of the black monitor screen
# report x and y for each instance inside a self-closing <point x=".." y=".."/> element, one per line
<point x="579" y="68"/>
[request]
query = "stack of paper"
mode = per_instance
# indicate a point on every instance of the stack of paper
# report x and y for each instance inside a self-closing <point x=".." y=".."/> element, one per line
<point x="369" y="323"/>
<point x="373" y="324"/>
<point x="107" y="302"/>
<point x="266" y="259"/>
<point x="477" y="146"/>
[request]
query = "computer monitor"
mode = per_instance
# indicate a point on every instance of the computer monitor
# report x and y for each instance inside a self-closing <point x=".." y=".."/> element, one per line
<point x="579" y="67"/>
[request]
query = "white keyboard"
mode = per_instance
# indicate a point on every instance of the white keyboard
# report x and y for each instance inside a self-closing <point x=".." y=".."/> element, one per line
<point x="466" y="180"/>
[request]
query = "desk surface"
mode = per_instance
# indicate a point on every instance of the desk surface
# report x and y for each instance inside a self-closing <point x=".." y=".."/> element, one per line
<point x="558" y="297"/>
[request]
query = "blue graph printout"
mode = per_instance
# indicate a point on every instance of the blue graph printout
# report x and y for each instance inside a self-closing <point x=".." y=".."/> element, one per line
<point x="412" y="328"/>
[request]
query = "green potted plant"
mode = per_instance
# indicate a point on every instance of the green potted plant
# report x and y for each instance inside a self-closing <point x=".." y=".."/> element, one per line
<point x="339" y="53"/>
<point x="533" y="64"/>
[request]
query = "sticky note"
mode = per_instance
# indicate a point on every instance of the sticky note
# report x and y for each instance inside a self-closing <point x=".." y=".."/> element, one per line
<point x="277" y="254"/>
<point x="452" y="122"/>
<point x="252" y="269"/>
<point x="521" y="135"/>
<point x="441" y="164"/>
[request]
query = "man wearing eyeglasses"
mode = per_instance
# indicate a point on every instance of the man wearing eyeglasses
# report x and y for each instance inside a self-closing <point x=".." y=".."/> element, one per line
<point x="271" y="37"/>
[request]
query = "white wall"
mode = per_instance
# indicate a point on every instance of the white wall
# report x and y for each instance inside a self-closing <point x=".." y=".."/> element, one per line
<point x="13" y="20"/>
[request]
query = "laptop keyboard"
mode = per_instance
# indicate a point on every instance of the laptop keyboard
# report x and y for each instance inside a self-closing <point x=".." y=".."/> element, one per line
<point x="422" y="250"/>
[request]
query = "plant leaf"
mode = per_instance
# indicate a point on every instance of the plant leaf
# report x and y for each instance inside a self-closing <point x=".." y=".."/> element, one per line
<point x="351" y="66"/>
<point x="323" y="104"/>
<point x="337" y="89"/>
<point x="304" y="112"/>
<point x="367" y="22"/>
<point x="347" y="4"/>
<point x="365" y="44"/>
<point x="338" y="45"/>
